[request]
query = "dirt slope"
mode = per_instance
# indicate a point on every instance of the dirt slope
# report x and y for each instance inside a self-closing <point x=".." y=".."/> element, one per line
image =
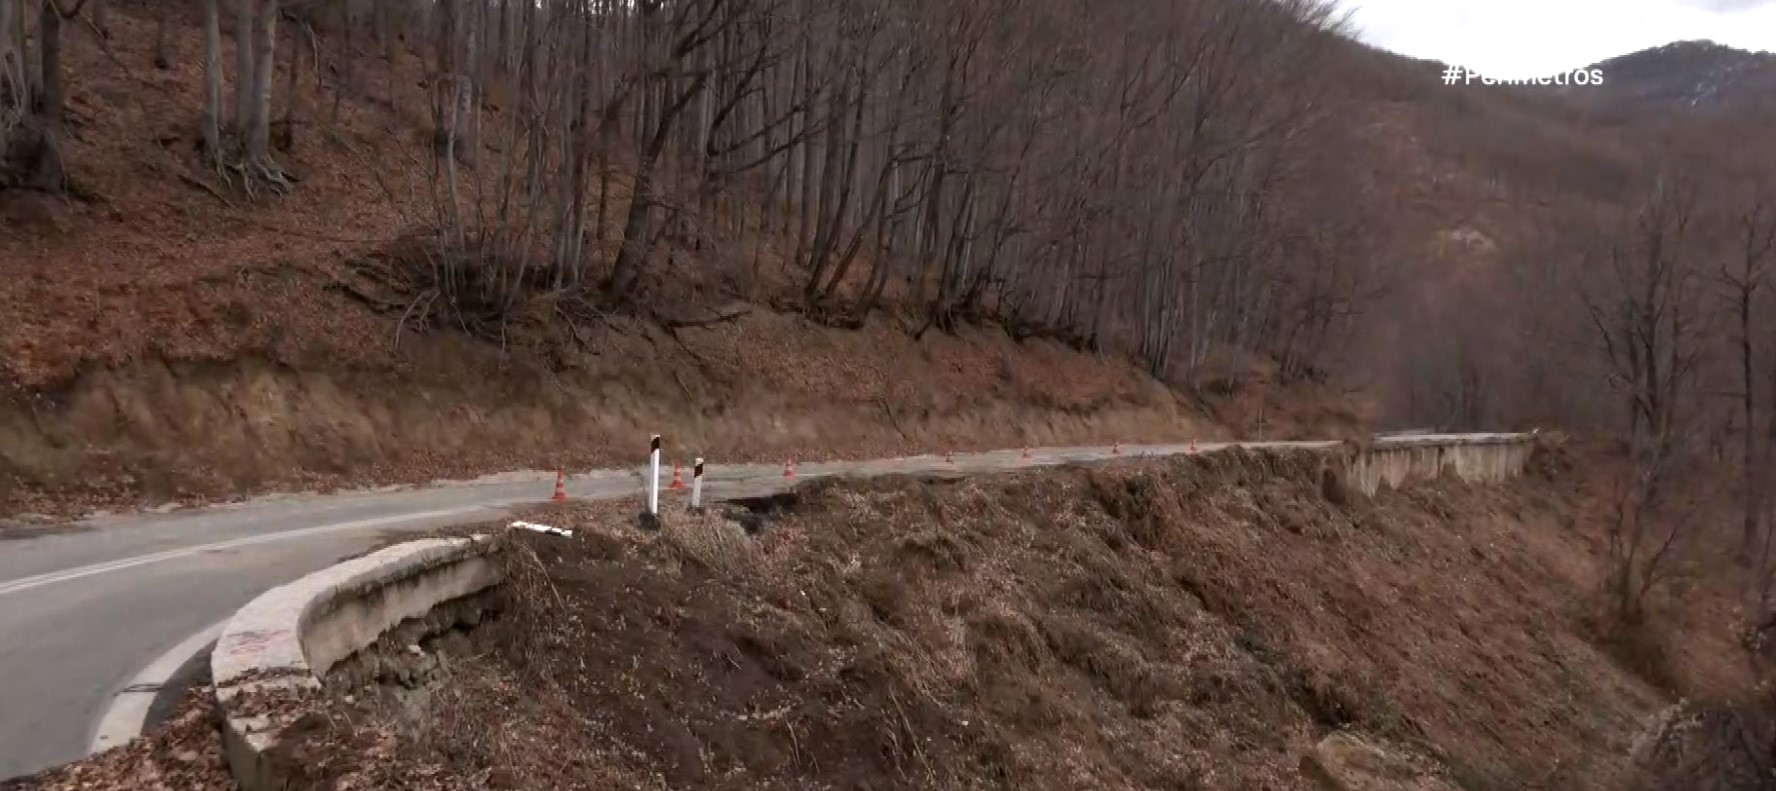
<point x="1196" y="623"/>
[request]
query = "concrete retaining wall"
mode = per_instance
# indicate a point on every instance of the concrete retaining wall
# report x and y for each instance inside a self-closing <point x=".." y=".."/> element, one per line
<point x="1479" y="458"/>
<point x="275" y="651"/>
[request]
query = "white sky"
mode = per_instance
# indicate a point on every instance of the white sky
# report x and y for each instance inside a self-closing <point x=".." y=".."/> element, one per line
<point x="1535" y="38"/>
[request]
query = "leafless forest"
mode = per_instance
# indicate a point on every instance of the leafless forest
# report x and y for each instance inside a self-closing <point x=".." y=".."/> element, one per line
<point x="1145" y="177"/>
<point x="1187" y="183"/>
<point x="1234" y="194"/>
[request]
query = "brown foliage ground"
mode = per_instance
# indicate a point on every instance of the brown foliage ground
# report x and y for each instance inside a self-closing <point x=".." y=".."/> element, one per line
<point x="1194" y="623"/>
<point x="1206" y="623"/>
<point x="183" y="754"/>
<point x="164" y="338"/>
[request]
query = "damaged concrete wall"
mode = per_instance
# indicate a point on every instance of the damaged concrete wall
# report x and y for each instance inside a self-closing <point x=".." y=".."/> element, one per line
<point x="1474" y="458"/>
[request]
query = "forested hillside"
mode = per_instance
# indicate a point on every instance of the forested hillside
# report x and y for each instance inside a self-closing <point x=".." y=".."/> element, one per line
<point x="249" y="245"/>
<point x="948" y="223"/>
<point x="1234" y="211"/>
<point x="1148" y="177"/>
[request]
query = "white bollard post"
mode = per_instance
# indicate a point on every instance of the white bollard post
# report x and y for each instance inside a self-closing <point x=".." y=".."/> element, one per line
<point x="653" y="481"/>
<point x="697" y="485"/>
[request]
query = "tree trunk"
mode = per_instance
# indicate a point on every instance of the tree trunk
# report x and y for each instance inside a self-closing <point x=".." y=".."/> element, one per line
<point x="805" y="186"/>
<point x="287" y="134"/>
<point x="264" y="41"/>
<point x="243" y="66"/>
<point x="626" y="270"/>
<point x="48" y="171"/>
<point x="212" y="108"/>
<point x="830" y="220"/>
<point x="1753" y="487"/>
<point x="11" y="13"/>
<point x="160" y="38"/>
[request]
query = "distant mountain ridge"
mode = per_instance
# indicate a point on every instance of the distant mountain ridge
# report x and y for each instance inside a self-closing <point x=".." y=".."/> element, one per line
<point x="1689" y="74"/>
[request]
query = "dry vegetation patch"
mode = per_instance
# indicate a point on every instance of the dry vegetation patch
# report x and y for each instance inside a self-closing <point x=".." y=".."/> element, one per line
<point x="1195" y="623"/>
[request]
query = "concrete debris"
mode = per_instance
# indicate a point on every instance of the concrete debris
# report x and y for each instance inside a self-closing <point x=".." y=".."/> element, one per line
<point x="522" y="525"/>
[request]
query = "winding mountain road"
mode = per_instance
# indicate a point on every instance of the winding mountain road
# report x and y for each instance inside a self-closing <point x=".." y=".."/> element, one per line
<point x="98" y="618"/>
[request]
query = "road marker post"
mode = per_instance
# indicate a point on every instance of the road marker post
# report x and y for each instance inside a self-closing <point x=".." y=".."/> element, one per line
<point x="697" y="485"/>
<point x="653" y="481"/>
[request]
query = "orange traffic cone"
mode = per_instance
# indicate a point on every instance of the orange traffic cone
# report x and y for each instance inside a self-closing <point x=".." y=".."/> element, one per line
<point x="560" y="486"/>
<point x="949" y="457"/>
<point x="1116" y="449"/>
<point x="678" y="481"/>
<point x="789" y="468"/>
<point x="1193" y="448"/>
<point x="1026" y="455"/>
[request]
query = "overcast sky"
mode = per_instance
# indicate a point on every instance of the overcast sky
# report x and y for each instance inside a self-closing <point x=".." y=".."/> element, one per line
<point x="1533" y="38"/>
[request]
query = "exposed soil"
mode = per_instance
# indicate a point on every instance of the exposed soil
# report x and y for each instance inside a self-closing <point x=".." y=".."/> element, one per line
<point x="767" y="388"/>
<point x="1205" y="622"/>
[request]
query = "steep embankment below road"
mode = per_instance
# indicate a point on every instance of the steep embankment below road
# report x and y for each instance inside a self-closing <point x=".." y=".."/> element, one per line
<point x="1228" y="621"/>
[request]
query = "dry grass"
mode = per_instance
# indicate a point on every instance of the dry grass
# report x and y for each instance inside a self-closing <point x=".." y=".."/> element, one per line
<point x="718" y="545"/>
<point x="1196" y="623"/>
<point x="1212" y="622"/>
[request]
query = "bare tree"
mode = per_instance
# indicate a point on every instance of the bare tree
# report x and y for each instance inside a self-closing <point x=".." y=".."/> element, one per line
<point x="48" y="166"/>
<point x="14" y="68"/>
<point x="244" y="105"/>
<point x="1743" y="283"/>
<point x="258" y="131"/>
<point x="670" y="36"/>
<point x="212" y="105"/>
<point x="160" y="37"/>
<point x="1649" y="328"/>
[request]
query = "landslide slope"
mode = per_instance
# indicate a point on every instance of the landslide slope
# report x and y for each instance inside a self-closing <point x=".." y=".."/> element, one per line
<point x="1229" y="621"/>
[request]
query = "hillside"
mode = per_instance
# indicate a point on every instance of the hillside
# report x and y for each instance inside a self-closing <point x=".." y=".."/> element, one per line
<point x="1684" y="74"/>
<point x="1195" y="622"/>
<point x="1505" y="202"/>
<point x="415" y="240"/>
<point x="174" y="332"/>
<point x="170" y="335"/>
<point x="1198" y="622"/>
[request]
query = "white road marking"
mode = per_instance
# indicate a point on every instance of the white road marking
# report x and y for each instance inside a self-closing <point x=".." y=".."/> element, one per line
<point x="67" y="575"/>
<point x="124" y="719"/>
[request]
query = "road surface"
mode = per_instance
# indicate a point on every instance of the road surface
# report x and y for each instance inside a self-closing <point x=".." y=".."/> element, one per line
<point x="95" y="614"/>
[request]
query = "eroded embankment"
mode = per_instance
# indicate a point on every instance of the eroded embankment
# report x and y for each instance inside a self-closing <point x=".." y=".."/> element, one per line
<point x="1191" y="623"/>
<point x="764" y="388"/>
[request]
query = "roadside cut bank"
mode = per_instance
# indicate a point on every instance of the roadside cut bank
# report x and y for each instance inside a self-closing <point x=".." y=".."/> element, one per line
<point x="763" y="388"/>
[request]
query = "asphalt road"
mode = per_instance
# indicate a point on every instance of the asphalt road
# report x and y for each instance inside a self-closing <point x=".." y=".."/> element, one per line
<point x="85" y="608"/>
